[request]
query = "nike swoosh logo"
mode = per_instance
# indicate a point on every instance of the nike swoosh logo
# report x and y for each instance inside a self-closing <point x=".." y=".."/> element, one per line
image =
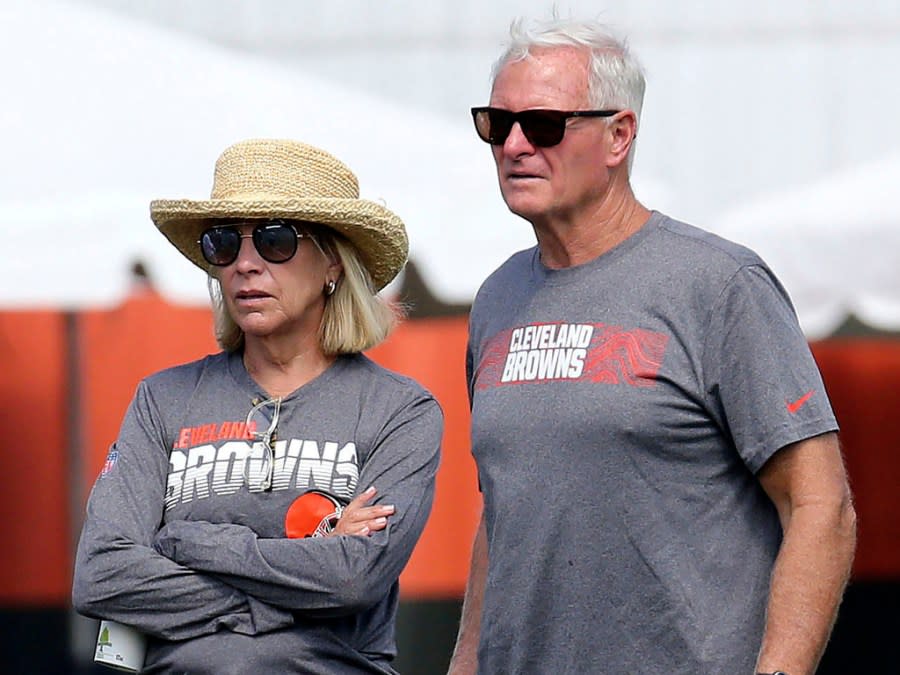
<point x="796" y="405"/>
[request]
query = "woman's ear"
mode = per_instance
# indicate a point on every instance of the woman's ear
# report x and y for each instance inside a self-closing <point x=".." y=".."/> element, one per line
<point x="335" y="269"/>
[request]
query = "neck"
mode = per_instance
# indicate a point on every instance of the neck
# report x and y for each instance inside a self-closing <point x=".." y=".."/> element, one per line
<point x="280" y="366"/>
<point x="580" y="238"/>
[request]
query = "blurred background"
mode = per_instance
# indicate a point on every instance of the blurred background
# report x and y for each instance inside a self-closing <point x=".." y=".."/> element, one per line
<point x="772" y="122"/>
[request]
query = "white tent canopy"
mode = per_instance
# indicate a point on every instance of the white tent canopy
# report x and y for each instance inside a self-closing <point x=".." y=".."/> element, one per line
<point x="835" y="245"/>
<point x="103" y="114"/>
<point x="108" y="114"/>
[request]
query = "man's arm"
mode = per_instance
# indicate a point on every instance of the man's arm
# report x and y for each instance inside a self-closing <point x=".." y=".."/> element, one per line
<point x="465" y="654"/>
<point x="808" y="484"/>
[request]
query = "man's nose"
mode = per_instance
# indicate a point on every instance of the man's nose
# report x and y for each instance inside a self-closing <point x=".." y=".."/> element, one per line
<point x="517" y="143"/>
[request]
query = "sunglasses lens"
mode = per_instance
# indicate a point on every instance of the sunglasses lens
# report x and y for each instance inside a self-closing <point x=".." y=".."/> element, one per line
<point x="501" y="123"/>
<point x="493" y="125"/>
<point x="220" y="245"/>
<point x="543" y="128"/>
<point x="276" y="241"/>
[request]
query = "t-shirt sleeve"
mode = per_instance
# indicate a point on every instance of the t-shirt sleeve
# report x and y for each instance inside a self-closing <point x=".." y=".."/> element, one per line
<point x="759" y="375"/>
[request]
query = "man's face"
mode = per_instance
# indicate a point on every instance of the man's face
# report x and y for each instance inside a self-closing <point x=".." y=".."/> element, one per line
<point x="564" y="181"/>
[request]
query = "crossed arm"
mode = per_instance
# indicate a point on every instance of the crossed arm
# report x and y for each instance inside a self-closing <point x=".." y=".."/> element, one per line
<point x="191" y="578"/>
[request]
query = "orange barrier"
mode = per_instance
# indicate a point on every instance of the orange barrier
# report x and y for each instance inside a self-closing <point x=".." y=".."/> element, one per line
<point x="34" y="521"/>
<point x="863" y="381"/>
<point x="433" y="351"/>
<point x="115" y="348"/>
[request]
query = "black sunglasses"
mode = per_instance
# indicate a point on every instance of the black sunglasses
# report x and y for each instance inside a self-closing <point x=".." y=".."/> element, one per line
<point x="542" y="128"/>
<point x="275" y="241"/>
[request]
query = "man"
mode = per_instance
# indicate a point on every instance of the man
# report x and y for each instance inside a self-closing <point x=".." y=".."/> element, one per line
<point x="663" y="486"/>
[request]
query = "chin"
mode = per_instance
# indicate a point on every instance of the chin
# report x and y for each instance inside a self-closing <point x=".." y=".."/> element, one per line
<point x="524" y="204"/>
<point x="256" y="328"/>
<point x="526" y="209"/>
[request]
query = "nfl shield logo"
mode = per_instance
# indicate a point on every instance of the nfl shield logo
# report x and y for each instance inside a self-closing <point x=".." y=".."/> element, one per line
<point x="110" y="462"/>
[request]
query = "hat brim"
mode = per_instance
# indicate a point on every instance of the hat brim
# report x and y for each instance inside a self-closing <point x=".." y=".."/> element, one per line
<point x="377" y="233"/>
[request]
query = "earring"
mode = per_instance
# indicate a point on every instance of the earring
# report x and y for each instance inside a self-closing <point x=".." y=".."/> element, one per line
<point x="330" y="286"/>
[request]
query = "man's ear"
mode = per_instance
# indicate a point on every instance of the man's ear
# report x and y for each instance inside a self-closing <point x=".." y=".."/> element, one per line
<point x="622" y="130"/>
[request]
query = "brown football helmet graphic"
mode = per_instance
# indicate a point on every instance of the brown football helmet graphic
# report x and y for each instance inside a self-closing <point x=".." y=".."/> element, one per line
<point x="312" y="514"/>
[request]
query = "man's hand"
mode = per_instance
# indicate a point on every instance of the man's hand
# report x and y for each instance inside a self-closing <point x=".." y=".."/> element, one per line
<point x="362" y="520"/>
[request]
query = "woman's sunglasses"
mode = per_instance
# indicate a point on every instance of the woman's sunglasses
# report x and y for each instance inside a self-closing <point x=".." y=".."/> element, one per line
<point x="542" y="128"/>
<point x="275" y="241"/>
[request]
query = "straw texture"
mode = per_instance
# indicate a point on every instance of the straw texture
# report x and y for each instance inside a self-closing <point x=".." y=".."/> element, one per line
<point x="267" y="178"/>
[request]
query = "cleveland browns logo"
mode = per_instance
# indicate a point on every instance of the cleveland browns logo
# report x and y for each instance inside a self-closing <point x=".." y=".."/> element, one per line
<point x="312" y="514"/>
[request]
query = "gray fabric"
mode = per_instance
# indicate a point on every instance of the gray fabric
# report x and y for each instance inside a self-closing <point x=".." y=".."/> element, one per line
<point x="620" y="411"/>
<point x="177" y="545"/>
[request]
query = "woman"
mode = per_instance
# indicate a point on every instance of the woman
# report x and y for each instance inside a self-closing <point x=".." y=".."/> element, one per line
<point x="196" y="530"/>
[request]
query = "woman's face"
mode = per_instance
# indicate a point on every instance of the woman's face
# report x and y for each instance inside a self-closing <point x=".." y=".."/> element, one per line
<point x="268" y="299"/>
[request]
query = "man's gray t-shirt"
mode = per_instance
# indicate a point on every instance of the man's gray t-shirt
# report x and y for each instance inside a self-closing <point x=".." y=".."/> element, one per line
<point x="181" y="542"/>
<point x="620" y="410"/>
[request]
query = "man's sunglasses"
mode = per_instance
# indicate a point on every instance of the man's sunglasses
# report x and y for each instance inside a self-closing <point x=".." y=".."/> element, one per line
<point x="542" y="128"/>
<point x="275" y="241"/>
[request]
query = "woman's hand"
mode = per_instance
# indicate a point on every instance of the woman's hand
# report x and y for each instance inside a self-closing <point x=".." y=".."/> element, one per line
<point x="362" y="520"/>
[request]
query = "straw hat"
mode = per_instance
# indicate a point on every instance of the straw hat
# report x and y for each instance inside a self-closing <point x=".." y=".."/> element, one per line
<point x="287" y="179"/>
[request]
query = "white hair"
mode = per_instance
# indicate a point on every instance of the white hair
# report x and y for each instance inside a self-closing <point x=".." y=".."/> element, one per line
<point x="616" y="79"/>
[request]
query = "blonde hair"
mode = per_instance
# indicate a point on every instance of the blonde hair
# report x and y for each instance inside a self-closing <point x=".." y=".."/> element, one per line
<point x="355" y="317"/>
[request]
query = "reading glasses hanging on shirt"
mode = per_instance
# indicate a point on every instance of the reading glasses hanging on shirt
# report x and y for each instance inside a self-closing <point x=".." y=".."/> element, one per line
<point x="258" y="419"/>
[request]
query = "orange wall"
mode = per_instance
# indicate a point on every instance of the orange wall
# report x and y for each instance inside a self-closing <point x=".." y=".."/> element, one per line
<point x="118" y="347"/>
<point x="433" y="351"/>
<point x="34" y="521"/>
<point x="863" y="380"/>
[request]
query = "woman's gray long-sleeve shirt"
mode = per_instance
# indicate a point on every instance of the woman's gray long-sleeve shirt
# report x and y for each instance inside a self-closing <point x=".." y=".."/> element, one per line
<point x="181" y="542"/>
